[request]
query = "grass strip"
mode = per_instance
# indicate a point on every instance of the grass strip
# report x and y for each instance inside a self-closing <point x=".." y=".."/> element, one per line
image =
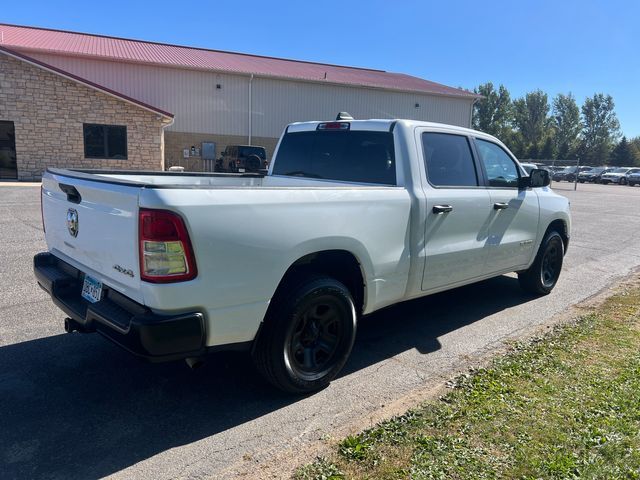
<point x="563" y="406"/>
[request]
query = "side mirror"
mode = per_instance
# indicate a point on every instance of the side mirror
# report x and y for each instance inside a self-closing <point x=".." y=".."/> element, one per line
<point x="539" y="178"/>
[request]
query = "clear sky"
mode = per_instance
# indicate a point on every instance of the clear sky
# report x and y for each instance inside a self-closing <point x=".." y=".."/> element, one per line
<point x="583" y="47"/>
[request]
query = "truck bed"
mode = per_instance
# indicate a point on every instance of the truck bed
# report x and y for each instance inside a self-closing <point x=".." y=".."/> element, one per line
<point x="246" y="231"/>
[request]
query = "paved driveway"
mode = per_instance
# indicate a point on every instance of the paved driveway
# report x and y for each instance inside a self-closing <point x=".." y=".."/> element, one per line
<point x="75" y="406"/>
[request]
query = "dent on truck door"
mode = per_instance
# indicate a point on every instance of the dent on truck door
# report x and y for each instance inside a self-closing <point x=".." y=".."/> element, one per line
<point x="457" y="212"/>
<point x="515" y="212"/>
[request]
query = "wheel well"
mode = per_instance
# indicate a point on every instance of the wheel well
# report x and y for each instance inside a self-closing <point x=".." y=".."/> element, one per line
<point x="561" y="227"/>
<point x="338" y="264"/>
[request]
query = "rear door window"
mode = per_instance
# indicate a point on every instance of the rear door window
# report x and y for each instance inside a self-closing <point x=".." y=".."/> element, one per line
<point x="349" y="156"/>
<point x="448" y="160"/>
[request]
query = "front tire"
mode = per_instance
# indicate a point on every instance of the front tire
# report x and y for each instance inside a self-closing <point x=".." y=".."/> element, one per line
<point x="623" y="181"/>
<point x="308" y="334"/>
<point x="543" y="274"/>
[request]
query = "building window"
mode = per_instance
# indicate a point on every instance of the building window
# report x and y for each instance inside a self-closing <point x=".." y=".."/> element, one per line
<point x="105" y="141"/>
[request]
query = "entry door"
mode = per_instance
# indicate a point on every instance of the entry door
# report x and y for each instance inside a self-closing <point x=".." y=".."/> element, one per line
<point x="514" y="223"/>
<point x="8" y="167"/>
<point x="458" y="210"/>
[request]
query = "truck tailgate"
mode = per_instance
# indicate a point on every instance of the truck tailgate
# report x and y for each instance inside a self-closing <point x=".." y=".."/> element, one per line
<point x="93" y="225"/>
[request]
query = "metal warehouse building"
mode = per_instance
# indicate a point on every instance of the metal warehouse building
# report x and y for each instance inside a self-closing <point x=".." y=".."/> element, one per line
<point x="79" y="100"/>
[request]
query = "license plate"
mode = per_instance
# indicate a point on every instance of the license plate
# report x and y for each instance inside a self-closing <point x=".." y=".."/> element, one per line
<point x="91" y="289"/>
<point x="241" y="170"/>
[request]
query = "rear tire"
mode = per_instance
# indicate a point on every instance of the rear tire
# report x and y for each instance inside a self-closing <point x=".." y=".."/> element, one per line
<point x="623" y="181"/>
<point x="543" y="274"/>
<point x="307" y="335"/>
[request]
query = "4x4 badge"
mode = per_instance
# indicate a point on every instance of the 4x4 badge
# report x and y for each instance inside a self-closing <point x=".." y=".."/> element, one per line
<point x="72" y="222"/>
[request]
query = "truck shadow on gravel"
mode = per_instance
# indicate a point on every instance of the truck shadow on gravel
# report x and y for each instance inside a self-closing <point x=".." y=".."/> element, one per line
<point x="75" y="406"/>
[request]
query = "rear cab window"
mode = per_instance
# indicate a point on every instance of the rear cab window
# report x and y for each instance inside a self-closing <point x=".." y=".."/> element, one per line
<point x="246" y="151"/>
<point x="357" y="156"/>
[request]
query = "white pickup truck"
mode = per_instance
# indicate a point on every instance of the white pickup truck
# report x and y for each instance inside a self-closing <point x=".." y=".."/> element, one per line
<point x="353" y="216"/>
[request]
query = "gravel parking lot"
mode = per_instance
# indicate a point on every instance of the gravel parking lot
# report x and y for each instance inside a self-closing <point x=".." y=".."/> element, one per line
<point x="75" y="406"/>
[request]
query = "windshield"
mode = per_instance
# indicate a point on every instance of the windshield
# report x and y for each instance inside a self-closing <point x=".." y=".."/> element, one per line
<point x="619" y="170"/>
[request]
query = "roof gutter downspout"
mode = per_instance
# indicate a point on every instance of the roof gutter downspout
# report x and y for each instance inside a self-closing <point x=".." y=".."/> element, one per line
<point x="166" y="125"/>
<point x="249" y="109"/>
<point x="473" y="103"/>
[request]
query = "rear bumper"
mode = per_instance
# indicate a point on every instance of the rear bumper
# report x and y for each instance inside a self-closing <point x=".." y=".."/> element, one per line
<point x="132" y="326"/>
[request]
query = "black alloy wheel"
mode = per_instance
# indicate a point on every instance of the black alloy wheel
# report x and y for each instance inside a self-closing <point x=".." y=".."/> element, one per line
<point x="307" y="335"/>
<point x="551" y="265"/>
<point x="314" y="337"/>
<point x="543" y="274"/>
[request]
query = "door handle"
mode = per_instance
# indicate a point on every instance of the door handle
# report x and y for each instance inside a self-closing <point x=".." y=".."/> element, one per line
<point x="442" y="208"/>
<point x="500" y="206"/>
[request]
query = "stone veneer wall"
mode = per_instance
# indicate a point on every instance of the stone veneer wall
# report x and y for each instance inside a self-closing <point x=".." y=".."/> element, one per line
<point x="48" y="111"/>
<point x="176" y="142"/>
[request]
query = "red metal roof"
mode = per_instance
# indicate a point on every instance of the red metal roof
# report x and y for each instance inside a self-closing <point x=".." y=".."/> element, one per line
<point x="120" y="49"/>
<point x="84" y="81"/>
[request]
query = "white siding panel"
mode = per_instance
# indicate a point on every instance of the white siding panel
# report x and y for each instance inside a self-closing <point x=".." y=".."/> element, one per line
<point x="200" y="107"/>
<point x="191" y="95"/>
<point x="277" y="103"/>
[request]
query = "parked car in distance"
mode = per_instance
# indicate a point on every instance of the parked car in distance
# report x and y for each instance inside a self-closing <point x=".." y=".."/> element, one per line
<point x="242" y="158"/>
<point x="593" y="175"/>
<point x="618" y="175"/>
<point x="528" y="167"/>
<point x="351" y="217"/>
<point x="633" y="179"/>
<point x="569" y="173"/>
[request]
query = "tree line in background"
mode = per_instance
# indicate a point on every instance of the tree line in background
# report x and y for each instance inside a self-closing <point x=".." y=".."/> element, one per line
<point x="534" y="128"/>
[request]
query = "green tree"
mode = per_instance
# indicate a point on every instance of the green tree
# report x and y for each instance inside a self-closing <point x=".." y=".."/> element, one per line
<point x="600" y="129"/>
<point x="567" y="126"/>
<point x="622" y="156"/>
<point x="634" y="146"/>
<point x="531" y="118"/>
<point x="548" y="148"/>
<point x="493" y="113"/>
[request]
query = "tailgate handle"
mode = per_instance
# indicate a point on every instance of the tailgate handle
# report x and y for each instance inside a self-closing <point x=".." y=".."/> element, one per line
<point x="72" y="194"/>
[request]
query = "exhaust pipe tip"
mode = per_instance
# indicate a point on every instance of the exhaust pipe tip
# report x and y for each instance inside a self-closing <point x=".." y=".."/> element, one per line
<point x="194" y="362"/>
<point x="69" y="326"/>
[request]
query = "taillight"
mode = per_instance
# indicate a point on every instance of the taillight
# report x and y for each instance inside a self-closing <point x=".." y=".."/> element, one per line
<point x="166" y="254"/>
